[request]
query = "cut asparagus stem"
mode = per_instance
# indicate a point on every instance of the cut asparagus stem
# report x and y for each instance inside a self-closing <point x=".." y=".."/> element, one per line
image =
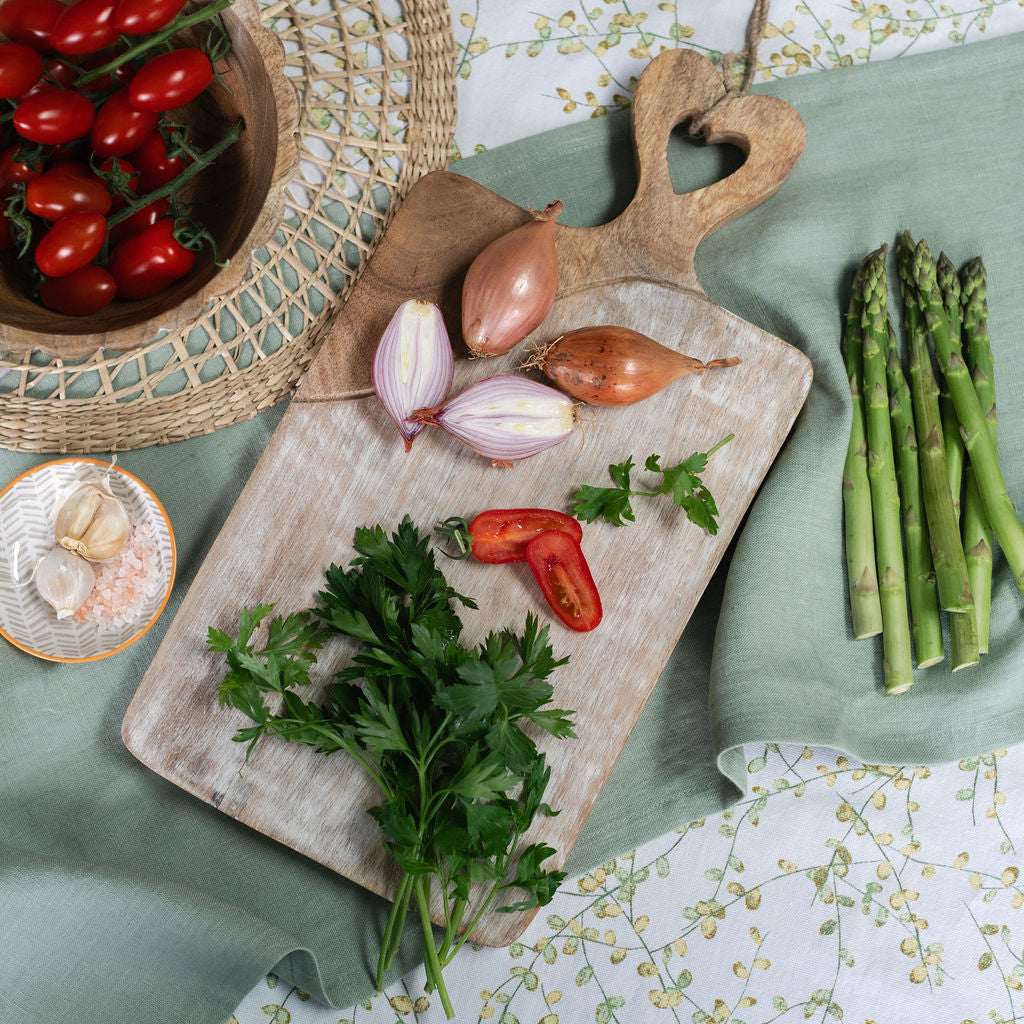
<point x="924" y="606"/>
<point x="944" y="535"/>
<point x="885" y="499"/>
<point x="865" y="610"/>
<point x="1001" y="514"/>
<point x="963" y="629"/>
<point x="978" y="354"/>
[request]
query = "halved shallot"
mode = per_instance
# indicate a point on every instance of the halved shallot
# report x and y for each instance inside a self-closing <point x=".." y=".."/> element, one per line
<point x="510" y="286"/>
<point x="413" y="364"/>
<point x="610" y="365"/>
<point x="505" y="418"/>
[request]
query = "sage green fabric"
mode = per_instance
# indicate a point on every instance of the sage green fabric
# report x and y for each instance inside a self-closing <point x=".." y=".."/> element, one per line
<point x="107" y="869"/>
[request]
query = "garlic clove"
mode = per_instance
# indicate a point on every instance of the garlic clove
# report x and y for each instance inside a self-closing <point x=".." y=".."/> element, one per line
<point x="92" y="523"/>
<point x="64" y="580"/>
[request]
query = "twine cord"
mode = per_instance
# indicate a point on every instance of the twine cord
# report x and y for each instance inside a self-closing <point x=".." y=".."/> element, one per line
<point x="756" y="25"/>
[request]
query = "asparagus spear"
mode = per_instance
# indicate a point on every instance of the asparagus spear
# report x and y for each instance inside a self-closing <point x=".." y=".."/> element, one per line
<point x="944" y="535"/>
<point x="865" y="609"/>
<point x="963" y="629"/>
<point x="978" y="354"/>
<point x="924" y="607"/>
<point x="885" y="499"/>
<point x="1001" y="514"/>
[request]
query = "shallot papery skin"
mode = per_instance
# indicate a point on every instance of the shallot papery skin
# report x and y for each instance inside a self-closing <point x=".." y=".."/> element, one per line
<point x="413" y="364"/>
<point x="510" y="286"/>
<point x="505" y="418"/>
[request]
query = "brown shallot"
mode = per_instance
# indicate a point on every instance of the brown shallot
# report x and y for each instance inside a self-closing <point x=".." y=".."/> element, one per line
<point x="510" y="286"/>
<point x="610" y="365"/>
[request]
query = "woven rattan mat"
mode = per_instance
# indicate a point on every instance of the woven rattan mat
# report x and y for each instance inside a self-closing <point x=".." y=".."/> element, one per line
<point x="377" y="91"/>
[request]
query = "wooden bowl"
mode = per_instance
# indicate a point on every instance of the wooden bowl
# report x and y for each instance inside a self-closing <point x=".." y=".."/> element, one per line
<point x="240" y="200"/>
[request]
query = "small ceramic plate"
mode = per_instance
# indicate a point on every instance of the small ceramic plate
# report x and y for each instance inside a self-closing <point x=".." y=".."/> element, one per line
<point x="28" y="511"/>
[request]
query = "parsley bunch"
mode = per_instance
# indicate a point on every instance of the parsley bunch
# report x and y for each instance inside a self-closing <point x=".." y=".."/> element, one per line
<point x="435" y="724"/>
<point x="683" y="482"/>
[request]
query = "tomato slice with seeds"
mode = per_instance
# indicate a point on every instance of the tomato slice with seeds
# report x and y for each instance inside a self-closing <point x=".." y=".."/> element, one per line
<point x="501" y="534"/>
<point x="557" y="563"/>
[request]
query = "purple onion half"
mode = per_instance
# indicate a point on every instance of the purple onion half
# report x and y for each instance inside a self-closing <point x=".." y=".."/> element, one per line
<point x="505" y="418"/>
<point x="413" y="364"/>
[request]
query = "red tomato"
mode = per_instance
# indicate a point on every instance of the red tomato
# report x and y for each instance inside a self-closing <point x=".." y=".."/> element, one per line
<point x="55" y="73"/>
<point x="53" y="196"/>
<point x="146" y="264"/>
<point x="156" y="168"/>
<point x="54" y="117"/>
<point x="501" y="534"/>
<point x="71" y="243"/>
<point x="20" y="68"/>
<point x="85" y="27"/>
<point x="30" y="21"/>
<point x="139" y="221"/>
<point x="121" y="127"/>
<point x="81" y="293"/>
<point x="561" y="570"/>
<point x="136" y="17"/>
<point x="12" y="171"/>
<point x="170" y="80"/>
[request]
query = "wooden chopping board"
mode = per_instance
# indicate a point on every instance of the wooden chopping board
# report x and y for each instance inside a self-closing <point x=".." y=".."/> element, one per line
<point x="336" y="462"/>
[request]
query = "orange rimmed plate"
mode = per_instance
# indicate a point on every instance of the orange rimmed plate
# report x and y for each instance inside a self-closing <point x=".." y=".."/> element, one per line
<point x="28" y="509"/>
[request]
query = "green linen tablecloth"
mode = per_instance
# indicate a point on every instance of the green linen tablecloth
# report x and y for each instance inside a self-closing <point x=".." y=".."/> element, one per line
<point x="106" y="867"/>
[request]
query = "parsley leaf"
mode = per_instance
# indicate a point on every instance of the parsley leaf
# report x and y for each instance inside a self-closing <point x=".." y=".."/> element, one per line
<point x="683" y="482"/>
<point x="435" y="724"/>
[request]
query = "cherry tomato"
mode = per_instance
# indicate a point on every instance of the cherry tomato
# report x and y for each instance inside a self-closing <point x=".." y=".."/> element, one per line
<point x="136" y="17"/>
<point x="55" y="73"/>
<point x="20" y="68"/>
<point x="156" y="168"/>
<point x="170" y="80"/>
<point x="71" y="243"/>
<point x="81" y="293"/>
<point x="54" y="117"/>
<point x="147" y="263"/>
<point x="561" y="570"/>
<point x="139" y="221"/>
<point x="121" y="127"/>
<point x="53" y="196"/>
<point x="30" y="21"/>
<point x="85" y="27"/>
<point x="501" y="534"/>
<point x="13" y="171"/>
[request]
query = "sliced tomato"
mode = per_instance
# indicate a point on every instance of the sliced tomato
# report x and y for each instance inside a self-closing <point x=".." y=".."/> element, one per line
<point x="501" y="534"/>
<point x="81" y="293"/>
<point x="557" y="563"/>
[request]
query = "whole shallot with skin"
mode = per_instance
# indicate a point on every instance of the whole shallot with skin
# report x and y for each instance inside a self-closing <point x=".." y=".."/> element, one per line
<point x="505" y="418"/>
<point x="413" y="364"/>
<point x="510" y="286"/>
<point x="610" y="365"/>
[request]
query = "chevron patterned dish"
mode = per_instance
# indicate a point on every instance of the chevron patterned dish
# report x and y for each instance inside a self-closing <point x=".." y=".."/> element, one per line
<point x="28" y="507"/>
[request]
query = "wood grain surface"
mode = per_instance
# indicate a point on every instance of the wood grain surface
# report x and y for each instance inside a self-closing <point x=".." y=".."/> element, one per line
<point x="336" y="462"/>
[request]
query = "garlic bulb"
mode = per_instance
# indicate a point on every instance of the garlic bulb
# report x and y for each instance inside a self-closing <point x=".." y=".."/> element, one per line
<point x="92" y="523"/>
<point x="64" y="580"/>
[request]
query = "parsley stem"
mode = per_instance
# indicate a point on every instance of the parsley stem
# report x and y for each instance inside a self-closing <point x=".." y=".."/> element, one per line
<point x="432" y="964"/>
<point x="454" y="920"/>
<point x="472" y="924"/>
<point x="393" y="931"/>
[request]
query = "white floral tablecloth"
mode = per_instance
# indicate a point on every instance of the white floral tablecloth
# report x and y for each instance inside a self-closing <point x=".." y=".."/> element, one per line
<point x="833" y="891"/>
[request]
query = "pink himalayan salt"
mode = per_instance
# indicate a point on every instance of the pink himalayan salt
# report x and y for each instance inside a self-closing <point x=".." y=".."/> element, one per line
<point x="123" y="583"/>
